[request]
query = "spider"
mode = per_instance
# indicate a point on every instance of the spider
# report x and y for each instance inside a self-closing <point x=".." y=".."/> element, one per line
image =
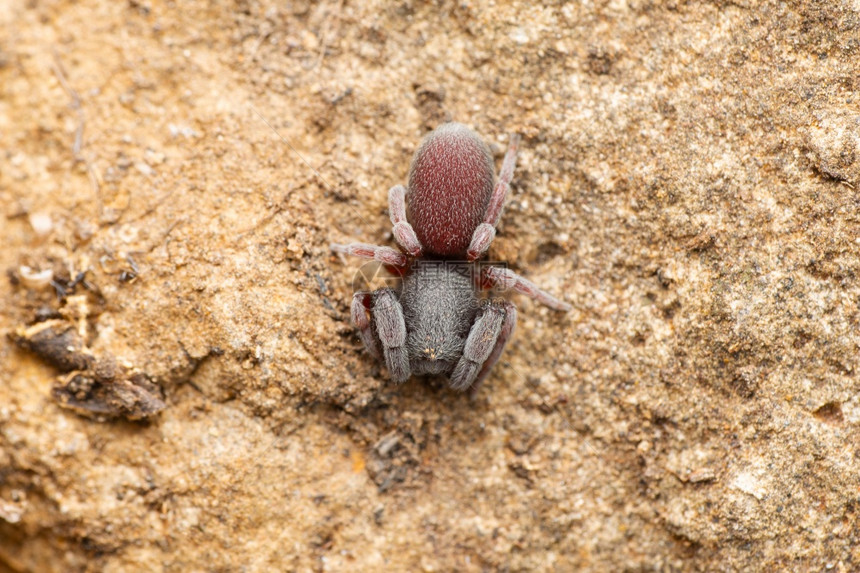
<point x="444" y="221"/>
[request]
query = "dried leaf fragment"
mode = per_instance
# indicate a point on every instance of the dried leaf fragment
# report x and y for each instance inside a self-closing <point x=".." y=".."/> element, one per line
<point x="96" y="387"/>
<point x="57" y="343"/>
<point x="132" y="396"/>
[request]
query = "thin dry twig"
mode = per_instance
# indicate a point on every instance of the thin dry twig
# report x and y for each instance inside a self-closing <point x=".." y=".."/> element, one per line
<point x="324" y="37"/>
<point x="78" y="145"/>
<point x="76" y="104"/>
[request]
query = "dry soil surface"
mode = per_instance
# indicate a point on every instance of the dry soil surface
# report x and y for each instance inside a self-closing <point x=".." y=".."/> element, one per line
<point x="688" y="181"/>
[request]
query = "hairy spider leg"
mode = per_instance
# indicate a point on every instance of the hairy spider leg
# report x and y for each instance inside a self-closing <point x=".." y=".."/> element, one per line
<point x="384" y="255"/>
<point x="391" y="331"/>
<point x="504" y="335"/>
<point x="402" y="230"/>
<point x="480" y="345"/>
<point x="361" y="303"/>
<point x="486" y="231"/>
<point x="508" y="279"/>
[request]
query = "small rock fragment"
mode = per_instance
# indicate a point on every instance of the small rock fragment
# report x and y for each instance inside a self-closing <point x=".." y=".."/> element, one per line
<point x="41" y="223"/>
<point x="33" y="279"/>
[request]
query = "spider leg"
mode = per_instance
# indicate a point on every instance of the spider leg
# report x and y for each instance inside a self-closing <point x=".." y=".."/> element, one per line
<point x="486" y="231"/>
<point x="402" y="230"/>
<point x="360" y="305"/>
<point x="482" y="345"/>
<point x="385" y="255"/>
<point x="508" y="279"/>
<point x="507" y="329"/>
<point x="391" y="331"/>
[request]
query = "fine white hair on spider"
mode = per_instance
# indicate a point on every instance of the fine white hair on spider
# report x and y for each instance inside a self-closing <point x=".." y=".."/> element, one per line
<point x="444" y="221"/>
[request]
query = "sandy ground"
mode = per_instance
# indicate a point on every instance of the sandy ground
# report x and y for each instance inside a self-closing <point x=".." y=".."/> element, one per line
<point x="688" y="182"/>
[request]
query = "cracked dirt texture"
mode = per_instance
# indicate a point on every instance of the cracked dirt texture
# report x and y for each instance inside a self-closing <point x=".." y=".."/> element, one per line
<point x="688" y="181"/>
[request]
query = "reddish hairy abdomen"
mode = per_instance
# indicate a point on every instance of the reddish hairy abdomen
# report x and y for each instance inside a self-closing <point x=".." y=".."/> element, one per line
<point x="450" y="183"/>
